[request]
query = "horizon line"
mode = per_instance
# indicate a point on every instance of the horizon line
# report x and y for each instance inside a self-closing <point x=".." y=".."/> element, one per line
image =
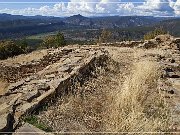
<point x="18" y="2"/>
<point x="100" y="15"/>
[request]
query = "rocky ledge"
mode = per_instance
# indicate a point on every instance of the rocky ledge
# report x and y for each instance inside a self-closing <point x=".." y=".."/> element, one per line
<point x="53" y="80"/>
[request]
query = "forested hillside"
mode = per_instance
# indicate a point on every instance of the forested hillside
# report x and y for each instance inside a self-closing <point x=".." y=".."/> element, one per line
<point x="80" y="29"/>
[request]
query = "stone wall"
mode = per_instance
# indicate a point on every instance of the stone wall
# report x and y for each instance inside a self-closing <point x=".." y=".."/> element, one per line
<point x="13" y="73"/>
<point x="161" y="41"/>
<point x="124" y="44"/>
<point x="56" y="79"/>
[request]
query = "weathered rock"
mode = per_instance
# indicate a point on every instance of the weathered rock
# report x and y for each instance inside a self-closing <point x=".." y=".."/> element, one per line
<point x="148" y="44"/>
<point x="30" y="95"/>
<point x="176" y="40"/>
<point x="28" y="79"/>
<point x="43" y="86"/>
<point x="171" y="91"/>
<point x="55" y="78"/>
<point x="8" y="102"/>
<point x="163" y="38"/>
<point x="24" y="108"/>
<point x="15" y="85"/>
<point x="56" y="72"/>
<point x="28" y="129"/>
<point x="173" y="75"/>
<point x="16" y="71"/>
<point x="64" y="68"/>
<point x="5" y="121"/>
<point x="50" y="76"/>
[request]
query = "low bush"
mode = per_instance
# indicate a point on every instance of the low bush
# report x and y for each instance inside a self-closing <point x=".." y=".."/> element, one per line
<point x="10" y="48"/>
<point x="34" y="121"/>
<point x="54" y="41"/>
<point x="154" y="33"/>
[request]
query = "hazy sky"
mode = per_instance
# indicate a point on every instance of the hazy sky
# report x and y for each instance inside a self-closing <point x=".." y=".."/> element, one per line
<point x="91" y="7"/>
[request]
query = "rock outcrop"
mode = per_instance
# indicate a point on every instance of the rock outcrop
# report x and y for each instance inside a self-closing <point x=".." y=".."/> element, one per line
<point x="15" y="72"/>
<point x="67" y="66"/>
<point x="161" y="41"/>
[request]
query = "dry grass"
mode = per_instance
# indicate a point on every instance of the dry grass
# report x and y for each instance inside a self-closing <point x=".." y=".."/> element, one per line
<point x="138" y="106"/>
<point x="3" y="86"/>
<point x="36" y="55"/>
<point x="127" y="100"/>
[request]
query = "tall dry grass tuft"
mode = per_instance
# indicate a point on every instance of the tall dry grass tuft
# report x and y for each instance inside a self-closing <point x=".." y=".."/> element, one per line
<point x="137" y="105"/>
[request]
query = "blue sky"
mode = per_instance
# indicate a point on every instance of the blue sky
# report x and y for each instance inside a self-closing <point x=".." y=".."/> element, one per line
<point x="91" y="7"/>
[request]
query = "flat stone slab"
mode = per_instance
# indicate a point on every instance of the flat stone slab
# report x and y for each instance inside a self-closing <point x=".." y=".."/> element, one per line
<point x="28" y="129"/>
<point x="4" y="118"/>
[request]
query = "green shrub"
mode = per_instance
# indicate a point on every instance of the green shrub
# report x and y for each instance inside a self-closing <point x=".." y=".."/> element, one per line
<point x="105" y="36"/>
<point x="60" y="39"/>
<point x="10" y="48"/>
<point x="33" y="120"/>
<point x="54" y="41"/>
<point x="153" y="34"/>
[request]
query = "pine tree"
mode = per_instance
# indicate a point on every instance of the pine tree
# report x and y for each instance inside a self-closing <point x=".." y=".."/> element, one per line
<point x="60" y="40"/>
<point x="105" y="36"/>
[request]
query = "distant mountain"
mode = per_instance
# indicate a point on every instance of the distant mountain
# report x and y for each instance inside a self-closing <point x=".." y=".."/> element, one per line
<point x="78" y="20"/>
<point x="8" y="17"/>
<point x="126" y="21"/>
<point x="17" y="26"/>
<point x="172" y="25"/>
<point x="8" y="20"/>
<point x="112" y="21"/>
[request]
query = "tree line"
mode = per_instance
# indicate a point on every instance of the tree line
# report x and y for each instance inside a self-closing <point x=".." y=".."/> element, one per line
<point x="10" y="48"/>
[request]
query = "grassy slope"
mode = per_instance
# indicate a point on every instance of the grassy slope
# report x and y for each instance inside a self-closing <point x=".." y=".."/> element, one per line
<point x="124" y="99"/>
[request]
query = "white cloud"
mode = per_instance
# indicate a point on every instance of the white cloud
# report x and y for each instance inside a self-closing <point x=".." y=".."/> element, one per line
<point x="80" y="7"/>
<point x="59" y="7"/>
<point x="103" y="7"/>
<point x="126" y="9"/>
<point x="177" y="8"/>
<point x="110" y="8"/>
<point x="157" y="7"/>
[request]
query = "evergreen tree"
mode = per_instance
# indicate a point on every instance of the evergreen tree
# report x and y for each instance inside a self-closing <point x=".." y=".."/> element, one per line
<point x="105" y="36"/>
<point x="54" y="41"/>
<point x="10" y="48"/>
<point x="60" y="40"/>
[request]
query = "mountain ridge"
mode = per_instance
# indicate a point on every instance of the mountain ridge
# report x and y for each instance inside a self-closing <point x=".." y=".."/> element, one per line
<point x="19" y="26"/>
